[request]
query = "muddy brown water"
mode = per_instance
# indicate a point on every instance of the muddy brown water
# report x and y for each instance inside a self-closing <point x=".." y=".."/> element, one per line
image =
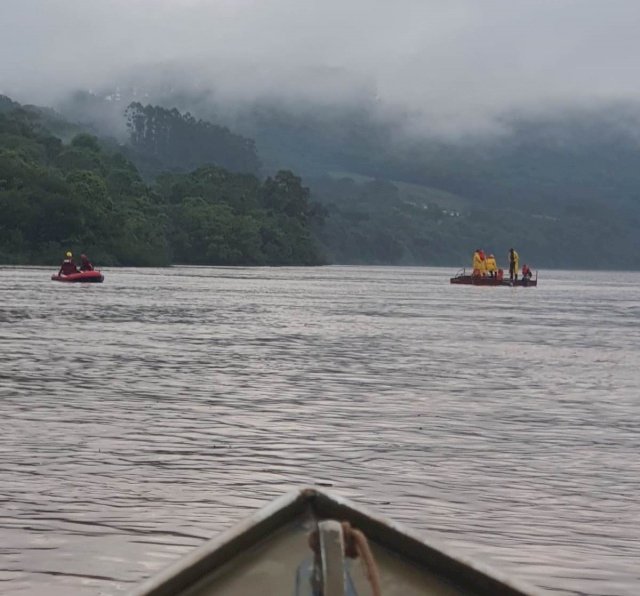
<point x="144" y="415"/>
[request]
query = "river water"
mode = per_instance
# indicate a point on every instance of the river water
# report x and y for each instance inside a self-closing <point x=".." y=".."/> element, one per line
<point x="144" y="415"/>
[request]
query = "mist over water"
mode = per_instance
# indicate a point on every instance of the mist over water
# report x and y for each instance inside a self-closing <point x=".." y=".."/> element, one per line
<point x="455" y="67"/>
<point x="145" y="415"/>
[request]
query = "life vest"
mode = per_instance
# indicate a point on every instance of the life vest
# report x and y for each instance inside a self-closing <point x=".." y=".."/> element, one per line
<point x="68" y="267"/>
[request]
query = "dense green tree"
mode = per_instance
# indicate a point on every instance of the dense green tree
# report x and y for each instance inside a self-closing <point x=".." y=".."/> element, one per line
<point x="218" y="217"/>
<point x="55" y="196"/>
<point x="164" y="139"/>
<point x="81" y="195"/>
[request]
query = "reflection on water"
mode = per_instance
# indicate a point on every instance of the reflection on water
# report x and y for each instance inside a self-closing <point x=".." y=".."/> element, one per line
<point x="146" y="414"/>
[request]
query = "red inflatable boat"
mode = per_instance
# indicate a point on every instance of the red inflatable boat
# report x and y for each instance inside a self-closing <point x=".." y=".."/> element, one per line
<point x="91" y="277"/>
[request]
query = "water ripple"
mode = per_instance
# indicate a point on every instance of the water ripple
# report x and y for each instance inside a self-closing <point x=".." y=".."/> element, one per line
<point x="144" y="415"/>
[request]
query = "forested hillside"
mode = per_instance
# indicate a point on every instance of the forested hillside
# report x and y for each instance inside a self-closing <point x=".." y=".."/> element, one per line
<point x="380" y="223"/>
<point x="84" y="196"/>
<point x="54" y="196"/>
<point x="165" y="140"/>
<point x="564" y="188"/>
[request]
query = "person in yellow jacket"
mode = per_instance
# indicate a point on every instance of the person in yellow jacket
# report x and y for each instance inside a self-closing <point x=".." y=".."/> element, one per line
<point x="492" y="267"/>
<point x="478" y="263"/>
<point x="514" y="262"/>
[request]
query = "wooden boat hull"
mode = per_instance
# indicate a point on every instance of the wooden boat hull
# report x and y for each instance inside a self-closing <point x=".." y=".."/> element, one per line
<point x="266" y="553"/>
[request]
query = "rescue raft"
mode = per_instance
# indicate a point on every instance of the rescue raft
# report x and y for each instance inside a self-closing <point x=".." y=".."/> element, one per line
<point x="92" y="277"/>
<point x="466" y="279"/>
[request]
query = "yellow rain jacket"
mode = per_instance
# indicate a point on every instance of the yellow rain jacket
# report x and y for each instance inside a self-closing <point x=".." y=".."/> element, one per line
<point x="516" y="260"/>
<point x="491" y="264"/>
<point x="477" y="263"/>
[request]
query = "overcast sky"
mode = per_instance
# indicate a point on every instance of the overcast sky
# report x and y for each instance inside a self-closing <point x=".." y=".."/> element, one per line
<point x="452" y="58"/>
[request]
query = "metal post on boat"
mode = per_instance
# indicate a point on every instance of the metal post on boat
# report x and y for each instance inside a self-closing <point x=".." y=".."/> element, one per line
<point x="332" y="558"/>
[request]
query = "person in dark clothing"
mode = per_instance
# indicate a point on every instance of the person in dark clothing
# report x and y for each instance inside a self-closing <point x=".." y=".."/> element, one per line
<point x="68" y="266"/>
<point x="85" y="264"/>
